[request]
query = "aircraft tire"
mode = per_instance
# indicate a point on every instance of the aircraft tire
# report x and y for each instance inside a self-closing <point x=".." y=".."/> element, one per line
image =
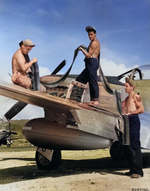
<point x="45" y="164"/>
<point x="117" y="151"/>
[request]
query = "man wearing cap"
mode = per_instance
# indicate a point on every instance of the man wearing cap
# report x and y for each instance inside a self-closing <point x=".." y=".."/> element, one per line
<point x="89" y="74"/>
<point x="21" y="64"/>
<point x="132" y="106"/>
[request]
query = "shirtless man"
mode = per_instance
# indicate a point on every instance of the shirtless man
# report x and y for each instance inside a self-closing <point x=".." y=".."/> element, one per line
<point x="89" y="74"/>
<point x="21" y="64"/>
<point x="132" y="106"/>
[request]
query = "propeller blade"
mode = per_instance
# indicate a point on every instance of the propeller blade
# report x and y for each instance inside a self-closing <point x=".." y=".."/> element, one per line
<point x="59" y="67"/>
<point x="62" y="79"/>
<point x="104" y="82"/>
<point x="14" y="110"/>
<point x="35" y="77"/>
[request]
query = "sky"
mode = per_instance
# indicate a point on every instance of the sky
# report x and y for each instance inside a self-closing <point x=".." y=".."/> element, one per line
<point x="57" y="28"/>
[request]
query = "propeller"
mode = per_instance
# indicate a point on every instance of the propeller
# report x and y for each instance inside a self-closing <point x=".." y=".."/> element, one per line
<point x="15" y="109"/>
<point x="62" y="79"/>
<point x="59" y="67"/>
<point x="104" y="82"/>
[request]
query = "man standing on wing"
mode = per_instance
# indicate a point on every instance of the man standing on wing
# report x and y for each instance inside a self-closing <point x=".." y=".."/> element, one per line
<point x="89" y="74"/>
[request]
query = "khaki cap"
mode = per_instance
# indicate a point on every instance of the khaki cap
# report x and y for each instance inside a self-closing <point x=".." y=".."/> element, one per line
<point x="131" y="82"/>
<point x="90" y="28"/>
<point x="28" y="42"/>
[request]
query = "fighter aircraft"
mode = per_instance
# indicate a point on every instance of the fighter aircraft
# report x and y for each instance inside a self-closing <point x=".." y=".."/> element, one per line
<point x="5" y="134"/>
<point x="71" y="124"/>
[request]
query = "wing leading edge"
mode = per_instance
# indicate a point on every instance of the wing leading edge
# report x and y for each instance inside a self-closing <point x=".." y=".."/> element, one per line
<point x="37" y="98"/>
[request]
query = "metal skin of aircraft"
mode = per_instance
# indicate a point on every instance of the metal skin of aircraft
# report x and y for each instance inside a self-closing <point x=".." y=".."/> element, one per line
<point x="71" y="124"/>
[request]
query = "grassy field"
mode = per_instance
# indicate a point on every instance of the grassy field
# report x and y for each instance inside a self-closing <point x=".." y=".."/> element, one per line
<point x="16" y="126"/>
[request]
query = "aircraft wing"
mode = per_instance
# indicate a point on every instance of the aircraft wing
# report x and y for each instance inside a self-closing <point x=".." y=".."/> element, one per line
<point x="101" y="122"/>
<point x="37" y="98"/>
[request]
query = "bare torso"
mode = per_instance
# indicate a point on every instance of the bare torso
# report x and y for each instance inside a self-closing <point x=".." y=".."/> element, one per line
<point x="16" y="64"/>
<point x="133" y="104"/>
<point x="130" y="104"/>
<point x="93" y="50"/>
<point x="21" y="62"/>
<point x="95" y="46"/>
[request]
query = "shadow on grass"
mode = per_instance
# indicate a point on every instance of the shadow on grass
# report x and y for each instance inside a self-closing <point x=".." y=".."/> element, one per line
<point x="22" y="159"/>
<point x="68" y="167"/>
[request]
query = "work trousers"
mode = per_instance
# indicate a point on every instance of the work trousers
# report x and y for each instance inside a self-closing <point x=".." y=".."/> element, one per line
<point x="89" y="74"/>
<point x="135" y="155"/>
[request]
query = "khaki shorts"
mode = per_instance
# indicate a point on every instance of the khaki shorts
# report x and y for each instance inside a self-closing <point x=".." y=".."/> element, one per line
<point x="18" y="78"/>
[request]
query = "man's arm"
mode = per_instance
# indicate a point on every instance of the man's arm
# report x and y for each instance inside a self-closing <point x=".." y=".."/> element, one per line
<point x="24" y="66"/>
<point x="139" y="105"/>
<point x="92" y="48"/>
<point x="124" y="106"/>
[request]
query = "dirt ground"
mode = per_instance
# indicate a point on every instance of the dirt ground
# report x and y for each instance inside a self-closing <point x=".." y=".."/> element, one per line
<point x="79" y="171"/>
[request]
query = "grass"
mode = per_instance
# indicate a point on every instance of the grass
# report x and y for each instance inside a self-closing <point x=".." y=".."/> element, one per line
<point x="16" y="126"/>
<point x="17" y="149"/>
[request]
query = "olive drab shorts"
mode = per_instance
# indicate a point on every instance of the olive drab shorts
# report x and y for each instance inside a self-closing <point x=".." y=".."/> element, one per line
<point x="19" y="79"/>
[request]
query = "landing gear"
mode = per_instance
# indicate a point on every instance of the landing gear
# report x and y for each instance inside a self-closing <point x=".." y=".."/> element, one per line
<point x="48" y="159"/>
<point x="117" y="151"/>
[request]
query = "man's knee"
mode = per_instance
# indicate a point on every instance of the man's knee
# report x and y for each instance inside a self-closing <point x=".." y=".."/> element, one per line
<point x="21" y="80"/>
<point x="25" y="82"/>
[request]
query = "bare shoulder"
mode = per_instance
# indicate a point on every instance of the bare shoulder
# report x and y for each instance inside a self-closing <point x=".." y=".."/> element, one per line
<point x="17" y="54"/>
<point x="137" y="97"/>
<point x="95" y="43"/>
<point x="126" y="98"/>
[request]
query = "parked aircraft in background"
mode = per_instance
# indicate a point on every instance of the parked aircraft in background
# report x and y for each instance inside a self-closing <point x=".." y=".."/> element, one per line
<point x="71" y="124"/>
<point x="5" y="134"/>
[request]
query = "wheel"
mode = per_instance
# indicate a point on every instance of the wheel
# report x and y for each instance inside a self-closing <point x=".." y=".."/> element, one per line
<point x="44" y="164"/>
<point x="117" y="151"/>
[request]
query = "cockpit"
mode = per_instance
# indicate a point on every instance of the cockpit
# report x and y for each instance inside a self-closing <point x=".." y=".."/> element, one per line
<point x="143" y="73"/>
<point x="139" y="73"/>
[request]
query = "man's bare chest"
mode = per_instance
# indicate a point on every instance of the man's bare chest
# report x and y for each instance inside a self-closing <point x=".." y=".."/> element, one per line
<point x="130" y="103"/>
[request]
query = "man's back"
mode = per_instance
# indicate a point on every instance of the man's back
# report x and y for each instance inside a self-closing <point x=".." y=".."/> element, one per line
<point x="17" y="60"/>
<point x="95" y="45"/>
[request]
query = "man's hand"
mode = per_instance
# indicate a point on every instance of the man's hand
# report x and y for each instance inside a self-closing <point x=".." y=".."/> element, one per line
<point x="83" y="49"/>
<point x="29" y="70"/>
<point x="128" y="113"/>
<point x="34" y="60"/>
<point x="82" y="46"/>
